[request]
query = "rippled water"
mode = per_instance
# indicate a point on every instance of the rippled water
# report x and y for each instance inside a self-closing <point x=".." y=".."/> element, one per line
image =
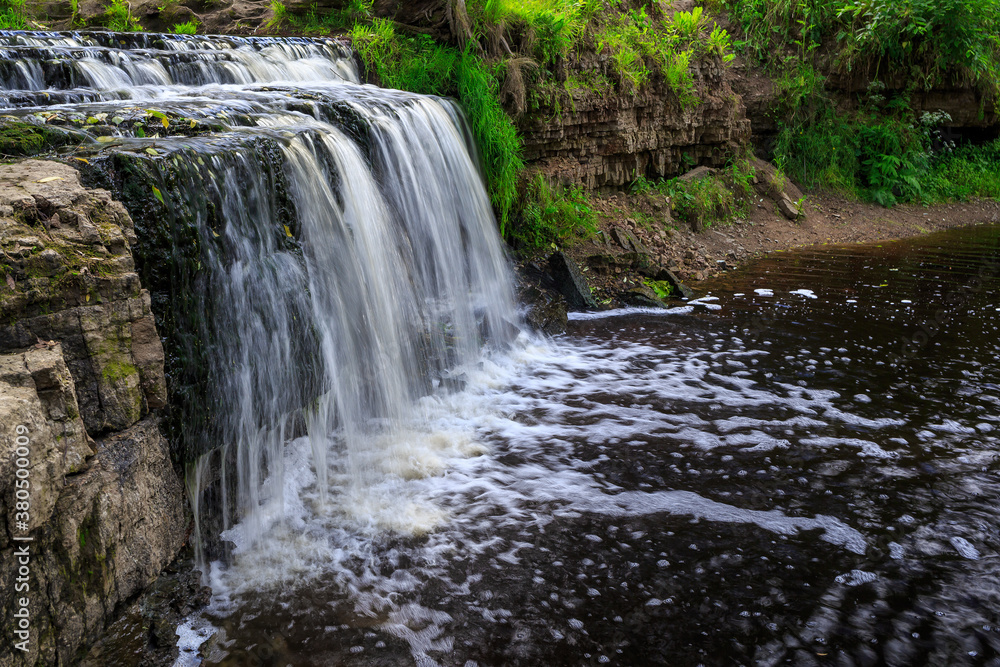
<point x="789" y="473"/>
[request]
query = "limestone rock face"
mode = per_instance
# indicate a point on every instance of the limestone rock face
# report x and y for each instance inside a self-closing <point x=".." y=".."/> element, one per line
<point x="606" y="139"/>
<point x="69" y="277"/>
<point x="81" y="369"/>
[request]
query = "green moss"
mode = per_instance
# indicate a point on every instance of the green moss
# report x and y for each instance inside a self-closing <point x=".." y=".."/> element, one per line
<point x="117" y="371"/>
<point x="21" y="139"/>
<point x="662" y="288"/>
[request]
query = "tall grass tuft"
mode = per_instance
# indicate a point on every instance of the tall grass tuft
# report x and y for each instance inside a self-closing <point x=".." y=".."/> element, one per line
<point x="12" y="15"/>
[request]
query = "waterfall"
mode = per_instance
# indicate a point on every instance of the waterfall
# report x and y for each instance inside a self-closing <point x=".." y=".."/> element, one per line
<point x="333" y="253"/>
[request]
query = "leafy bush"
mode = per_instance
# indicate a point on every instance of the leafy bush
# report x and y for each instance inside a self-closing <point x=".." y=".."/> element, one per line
<point x="556" y="25"/>
<point x="930" y="42"/>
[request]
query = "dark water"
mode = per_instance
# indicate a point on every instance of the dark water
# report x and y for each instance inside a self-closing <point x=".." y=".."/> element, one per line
<point x="800" y="478"/>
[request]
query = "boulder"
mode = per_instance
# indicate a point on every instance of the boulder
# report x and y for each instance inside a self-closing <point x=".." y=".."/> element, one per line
<point x="570" y="282"/>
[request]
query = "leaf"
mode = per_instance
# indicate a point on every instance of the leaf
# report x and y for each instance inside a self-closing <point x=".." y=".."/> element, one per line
<point x="193" y="123"/>
<point x="105" y="140"/>
<point x="88" y="297"/>
<point x="140" y="131"/>
<point x="216" y="234"/>
<point x="152" y="151"/>
<point x="156" y="193"/>
<point x="288" y="232"/>
<point x="82" y="159"/>
<point x="159" y="114"/>
<point x="49" y="179"/>
<point x="117" y="120"/>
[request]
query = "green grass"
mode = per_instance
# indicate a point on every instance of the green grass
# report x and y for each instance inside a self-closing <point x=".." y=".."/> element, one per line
<point x="118" y="17"/>
<point x="556" y="26"/>
<point x="964" y="173"/>
<point x="12" y="15"/>
<point x="711" y="199"/>
<point x="552" y="216"/>
<point x="279" y="16"/>
<point x="186" y="28"/>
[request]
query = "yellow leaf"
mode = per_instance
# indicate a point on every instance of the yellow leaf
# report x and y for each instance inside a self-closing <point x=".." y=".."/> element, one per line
<point x="49" y="179"/>
<point x="82" y="159"/>
<point x="88" y="297"/>
<point x="193" y="122"/>
<point x="216" y="235"/>
<point x="166" y="122"/>
<point x="288" y="232"/>
<point x="156" y="193"/>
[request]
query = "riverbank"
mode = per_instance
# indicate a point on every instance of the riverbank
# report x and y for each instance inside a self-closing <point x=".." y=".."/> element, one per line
<point x="642" y="256"/>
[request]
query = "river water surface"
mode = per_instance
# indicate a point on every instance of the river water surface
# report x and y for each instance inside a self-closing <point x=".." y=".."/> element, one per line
<point x="799" y="469"/>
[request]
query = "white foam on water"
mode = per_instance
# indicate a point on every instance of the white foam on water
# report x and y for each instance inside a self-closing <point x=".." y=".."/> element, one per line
<point x="191" y="634"/>
<point x="632" y="310"/>
<point x="808" y="293"/>
<point x="964" y="548"/>
<point x="764" y="292"/>
<point x="856" y="578"/>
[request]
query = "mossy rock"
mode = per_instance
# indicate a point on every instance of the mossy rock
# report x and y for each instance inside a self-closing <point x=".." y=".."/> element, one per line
<point x="19" y="139"/>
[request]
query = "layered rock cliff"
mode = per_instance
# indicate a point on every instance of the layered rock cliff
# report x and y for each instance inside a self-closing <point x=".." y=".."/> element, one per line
<point x="81" y="380"/>
<point x="606" y="138"/>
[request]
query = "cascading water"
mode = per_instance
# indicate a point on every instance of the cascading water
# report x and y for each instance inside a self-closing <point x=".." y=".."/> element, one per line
<point x="345" y="263"/>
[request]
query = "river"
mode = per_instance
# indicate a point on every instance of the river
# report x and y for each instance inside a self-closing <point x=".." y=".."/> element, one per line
<point x="803" y="470"/>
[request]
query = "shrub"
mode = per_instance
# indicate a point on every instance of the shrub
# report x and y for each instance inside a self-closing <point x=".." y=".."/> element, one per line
<point x="930" y="42"/>
<point x="279" y="16"/>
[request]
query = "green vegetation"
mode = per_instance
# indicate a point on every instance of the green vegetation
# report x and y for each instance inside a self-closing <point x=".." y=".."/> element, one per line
<point x="719" y="197"/>
<point x="118" y="17"/>
<point x="19" y="139"/>
<point x="553" y="215"/>
<point x="504" y="48"/>
<point x="662" y="288"/>
<point x="186" y="28"/>
<point x="12" y="15"/>
<point x="927" y="42"/>
<point x="883" y="151"/>
<point x="422" y="65"/>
